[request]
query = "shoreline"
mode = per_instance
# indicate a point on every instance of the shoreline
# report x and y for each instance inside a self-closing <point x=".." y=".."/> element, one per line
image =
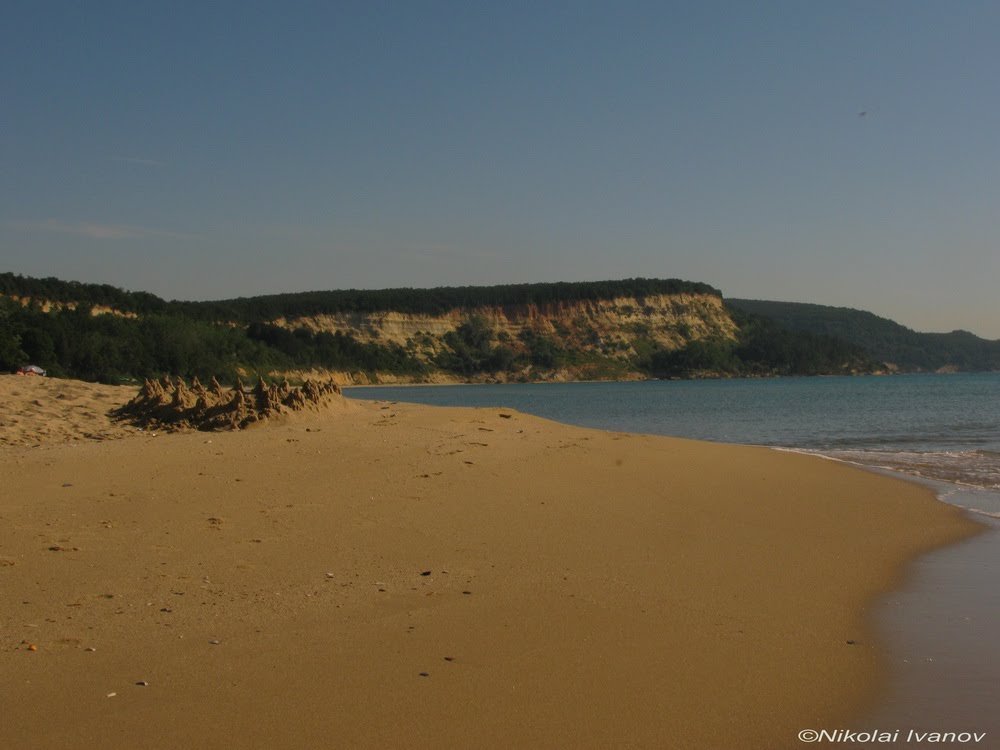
<point x="648" y="379"/>
<point x="938" y="627"/>
<point x="556" y="585"/>
<point x="642" y="379"/>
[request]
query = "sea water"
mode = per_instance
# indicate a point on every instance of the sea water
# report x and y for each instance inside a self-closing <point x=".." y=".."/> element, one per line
<point x="942" y="429"/>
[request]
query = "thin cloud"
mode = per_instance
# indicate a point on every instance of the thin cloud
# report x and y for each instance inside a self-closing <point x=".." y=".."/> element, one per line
<point x="95" y="231"/>
<point x="139" y="161"/>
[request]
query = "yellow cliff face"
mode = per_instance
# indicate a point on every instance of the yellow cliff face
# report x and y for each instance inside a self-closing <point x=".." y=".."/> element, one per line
<point x="615" y="328"/>
<point x="50" y="306"/>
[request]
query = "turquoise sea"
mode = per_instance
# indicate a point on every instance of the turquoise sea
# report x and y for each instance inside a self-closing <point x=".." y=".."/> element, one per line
<point x="942" y="429"/>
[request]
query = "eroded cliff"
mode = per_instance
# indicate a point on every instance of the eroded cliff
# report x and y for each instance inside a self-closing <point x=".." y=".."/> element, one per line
<point x="565" y="340"/>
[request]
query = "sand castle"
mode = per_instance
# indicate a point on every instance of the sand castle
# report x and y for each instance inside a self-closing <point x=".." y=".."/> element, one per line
<point x="170" y="404"/>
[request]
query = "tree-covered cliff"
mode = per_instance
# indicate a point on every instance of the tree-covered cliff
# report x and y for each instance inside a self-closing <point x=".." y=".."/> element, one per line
<point x="631" y="328"/>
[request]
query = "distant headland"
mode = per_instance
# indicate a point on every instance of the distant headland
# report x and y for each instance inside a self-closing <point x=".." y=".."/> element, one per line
<point x="628" y="329"/>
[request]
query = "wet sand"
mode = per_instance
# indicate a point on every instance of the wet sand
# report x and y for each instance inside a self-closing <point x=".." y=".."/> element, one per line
<point x="940" y="634"/>
<point x="393" y="575"/>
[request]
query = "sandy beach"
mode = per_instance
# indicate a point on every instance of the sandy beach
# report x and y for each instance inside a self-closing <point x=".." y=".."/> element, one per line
<point x="390" y="575"/>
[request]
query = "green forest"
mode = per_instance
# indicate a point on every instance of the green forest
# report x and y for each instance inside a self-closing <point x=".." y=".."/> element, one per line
<point x="115" y="349"/>
<point x="882" y="339"/>
<point x="763" y="348"/>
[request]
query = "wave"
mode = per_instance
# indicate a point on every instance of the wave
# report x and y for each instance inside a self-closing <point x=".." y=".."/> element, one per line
<point x="960" y="439"/>
<point x="969" y="479"/>
<point x="975" y="468"/>
<point x="987" y="513"/>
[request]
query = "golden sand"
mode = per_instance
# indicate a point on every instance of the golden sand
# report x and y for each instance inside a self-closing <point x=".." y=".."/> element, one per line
<point x="388" y="575"/>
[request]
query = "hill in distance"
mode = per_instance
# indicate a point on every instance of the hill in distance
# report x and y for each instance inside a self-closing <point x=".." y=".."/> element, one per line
<point x="898" y="347"/>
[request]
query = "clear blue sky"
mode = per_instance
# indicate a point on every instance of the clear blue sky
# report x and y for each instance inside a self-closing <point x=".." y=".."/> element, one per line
<point x="207" y="150"/>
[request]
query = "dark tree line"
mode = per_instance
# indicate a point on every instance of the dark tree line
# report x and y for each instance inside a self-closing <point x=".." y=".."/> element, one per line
<point x="405" y="300"/>
<point x="439" y="300"/>
<point x="300" y="304"/>
<point x="90" y="295"/>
